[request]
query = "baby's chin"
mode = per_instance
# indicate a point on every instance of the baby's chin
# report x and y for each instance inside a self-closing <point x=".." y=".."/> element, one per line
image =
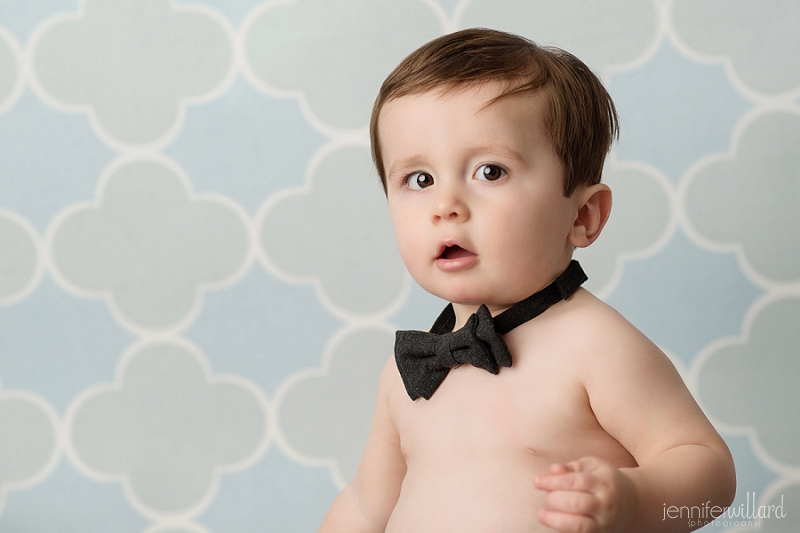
<point x="473" y="298"/>
<point x="471" y="288"/>
<point x="452" y="292"/>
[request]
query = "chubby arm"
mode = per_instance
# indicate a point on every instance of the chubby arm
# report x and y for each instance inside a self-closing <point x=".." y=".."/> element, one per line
<point x="638" y="397"/>
<point x="367" y="502"/>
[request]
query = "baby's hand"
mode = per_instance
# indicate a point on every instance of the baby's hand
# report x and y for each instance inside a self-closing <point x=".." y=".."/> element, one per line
<point x="587" y="495"/>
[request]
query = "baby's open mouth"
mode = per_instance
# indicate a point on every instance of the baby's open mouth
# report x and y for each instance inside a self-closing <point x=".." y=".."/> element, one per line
<point x="454" y="252"/>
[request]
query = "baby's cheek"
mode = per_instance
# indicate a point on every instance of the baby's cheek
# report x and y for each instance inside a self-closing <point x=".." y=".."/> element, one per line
<point x="410" y="250"/>
<point x="415" y="258"/>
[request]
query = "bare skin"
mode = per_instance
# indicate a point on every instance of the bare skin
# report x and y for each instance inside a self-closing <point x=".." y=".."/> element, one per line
<point x="469" y="462"/>
<point x="591" y="429"/>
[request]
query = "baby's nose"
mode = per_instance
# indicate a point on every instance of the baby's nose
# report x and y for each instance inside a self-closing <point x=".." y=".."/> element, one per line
<point x="449" y="204"/>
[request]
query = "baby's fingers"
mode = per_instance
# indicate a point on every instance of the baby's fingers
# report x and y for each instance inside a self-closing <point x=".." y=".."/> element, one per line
<point x="567" y="523"/>
<point x="573" y="481"/>
<point x="582" y="503"/>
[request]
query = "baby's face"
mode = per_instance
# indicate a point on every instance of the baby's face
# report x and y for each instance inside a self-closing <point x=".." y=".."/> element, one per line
<point x="476" y="194"/>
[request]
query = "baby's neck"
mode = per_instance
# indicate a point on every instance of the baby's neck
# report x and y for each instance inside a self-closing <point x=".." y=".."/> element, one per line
<point x="464" y="311"/>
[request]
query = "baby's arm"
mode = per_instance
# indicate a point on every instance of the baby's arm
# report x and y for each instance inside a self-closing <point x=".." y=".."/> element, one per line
<point x="638" y="397"/>
<point x="367" y="502"/>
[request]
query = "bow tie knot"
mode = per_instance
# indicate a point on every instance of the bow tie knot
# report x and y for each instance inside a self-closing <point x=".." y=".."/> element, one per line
<point x="426" y="359"/>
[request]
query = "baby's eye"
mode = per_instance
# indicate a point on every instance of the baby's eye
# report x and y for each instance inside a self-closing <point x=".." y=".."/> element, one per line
<point x="419" y="180"/>
<point x="489" y="172"/>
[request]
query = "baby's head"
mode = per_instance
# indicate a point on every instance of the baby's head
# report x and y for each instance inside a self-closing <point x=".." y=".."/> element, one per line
<point x="580" y="119"/>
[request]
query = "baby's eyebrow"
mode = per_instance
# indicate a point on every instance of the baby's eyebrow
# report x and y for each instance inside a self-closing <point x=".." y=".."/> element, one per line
<point x="404" y="166"/>
<point x="500" y="150"/>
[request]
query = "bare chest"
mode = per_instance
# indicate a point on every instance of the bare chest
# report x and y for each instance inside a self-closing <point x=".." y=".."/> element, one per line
<point x="534" y="413"/>
<point x="473" y="449"/>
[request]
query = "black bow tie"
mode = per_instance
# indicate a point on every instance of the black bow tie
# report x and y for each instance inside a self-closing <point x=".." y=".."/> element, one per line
<point x="424" y="359"/>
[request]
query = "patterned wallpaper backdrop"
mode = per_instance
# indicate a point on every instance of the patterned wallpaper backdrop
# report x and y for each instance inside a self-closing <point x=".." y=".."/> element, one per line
<point x="198" y="278"/>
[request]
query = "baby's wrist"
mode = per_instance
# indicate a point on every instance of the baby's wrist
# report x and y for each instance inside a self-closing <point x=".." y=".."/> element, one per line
<point x="630" y="500"/>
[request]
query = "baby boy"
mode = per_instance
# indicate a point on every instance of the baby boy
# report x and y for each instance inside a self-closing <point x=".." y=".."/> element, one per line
<point x="543" y="409"/>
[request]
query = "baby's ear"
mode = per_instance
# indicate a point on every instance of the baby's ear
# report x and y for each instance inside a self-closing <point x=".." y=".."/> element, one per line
<point x="594" y="206"/>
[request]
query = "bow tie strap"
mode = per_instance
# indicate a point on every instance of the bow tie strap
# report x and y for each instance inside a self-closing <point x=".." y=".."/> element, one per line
<point x="561" y="289"/>
<point x="424" y="359"/>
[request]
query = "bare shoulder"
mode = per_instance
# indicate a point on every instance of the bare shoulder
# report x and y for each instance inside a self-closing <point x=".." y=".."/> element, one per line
<point x="602" y="338"/>
<point x="389" y="386"/>
<point x="393" y="400"/>
<point x="633" y="388"/>
<point x="610" y="349"/>
<point x="390" y="376"/>
<point x="598" y="319"/>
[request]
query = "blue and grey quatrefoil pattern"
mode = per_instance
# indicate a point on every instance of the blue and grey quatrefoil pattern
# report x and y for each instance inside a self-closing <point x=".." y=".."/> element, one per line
<point x="198" y="279"/>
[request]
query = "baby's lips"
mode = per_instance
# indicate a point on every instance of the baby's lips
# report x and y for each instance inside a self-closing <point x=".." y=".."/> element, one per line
<point x="451" y="249"/>
<point x="453" y="257"/>
<point x="455" y="252"/>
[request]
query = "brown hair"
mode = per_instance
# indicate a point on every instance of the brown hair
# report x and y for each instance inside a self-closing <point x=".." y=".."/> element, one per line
<point x="581" y="119"/>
